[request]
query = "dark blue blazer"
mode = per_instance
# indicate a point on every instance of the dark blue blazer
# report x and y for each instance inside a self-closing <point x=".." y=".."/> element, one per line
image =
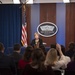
<point x="33" y="42"/>
<point x="7" y="62"/>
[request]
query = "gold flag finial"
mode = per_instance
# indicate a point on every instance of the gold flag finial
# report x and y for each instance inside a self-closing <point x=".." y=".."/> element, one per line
<point x="24" y="7"/>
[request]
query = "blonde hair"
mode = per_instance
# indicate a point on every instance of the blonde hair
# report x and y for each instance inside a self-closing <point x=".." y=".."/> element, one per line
<point x="36" y="33"/>
<point x="51" y="57"/>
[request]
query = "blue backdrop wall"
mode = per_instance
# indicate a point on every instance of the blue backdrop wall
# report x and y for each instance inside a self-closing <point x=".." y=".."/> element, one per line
<point x="10" y="25"/>
<point x="61" y="22"/>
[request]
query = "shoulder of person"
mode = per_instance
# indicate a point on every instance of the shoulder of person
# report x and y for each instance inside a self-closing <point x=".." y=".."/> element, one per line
<point x="40" y="39"/>
<point x="27" y="67"/>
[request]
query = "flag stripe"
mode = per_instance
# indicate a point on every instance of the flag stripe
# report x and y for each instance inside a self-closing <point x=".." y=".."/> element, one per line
<point x="24" y="27"/>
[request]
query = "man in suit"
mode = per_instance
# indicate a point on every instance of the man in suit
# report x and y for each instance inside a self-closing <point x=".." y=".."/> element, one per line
<point x="36" y="42"/>
<point x="16" y="53"/>
<point x="6" y="62"/>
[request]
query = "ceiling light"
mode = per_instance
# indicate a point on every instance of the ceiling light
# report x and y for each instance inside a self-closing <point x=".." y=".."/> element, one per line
<point x="0" y="2"/>
<point x="16" y="1"/>
<point x="29" y="1"/>
<point x="66" y="1"/>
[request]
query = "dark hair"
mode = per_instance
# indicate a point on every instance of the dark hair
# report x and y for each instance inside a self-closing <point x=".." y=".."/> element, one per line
<point x="27" y="54"/>
<point x="63" y="49"/>
<point x="73" y="57"/>
<point x="38" y="58"/>
<point x="17" y="47"/>
<point x="43" y="49"/>
<point x="1" y="46"/>
<point x="72" y="46"/>
<point x="53" y="46"/>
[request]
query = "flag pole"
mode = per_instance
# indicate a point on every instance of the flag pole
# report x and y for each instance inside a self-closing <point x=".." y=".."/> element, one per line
<point x="24" y="26"/>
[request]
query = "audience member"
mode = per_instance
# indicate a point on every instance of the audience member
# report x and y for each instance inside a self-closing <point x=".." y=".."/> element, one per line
<point x="70" y="70"/>
<point x="6" y="63"/>
<point x="71" y="65"/>
<point x="71" y="50"/>
<point x="26" y="59"/>
<point x="37" y="67"/>
<point x="16" y="54"/>
<point x="43" y="49"/>
<point x="53" y="59"/>
<point x="62" y="48"/>
<point x="53" y="46"/>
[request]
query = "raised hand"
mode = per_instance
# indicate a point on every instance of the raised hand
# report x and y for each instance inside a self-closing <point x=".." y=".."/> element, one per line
<point x="58" y="47"/>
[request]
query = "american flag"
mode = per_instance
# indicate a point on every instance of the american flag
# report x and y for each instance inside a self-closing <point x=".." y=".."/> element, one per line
<point x="24" y="27"/>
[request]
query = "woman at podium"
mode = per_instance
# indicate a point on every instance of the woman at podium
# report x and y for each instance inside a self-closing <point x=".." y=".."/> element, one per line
<point x="36" y="42"/>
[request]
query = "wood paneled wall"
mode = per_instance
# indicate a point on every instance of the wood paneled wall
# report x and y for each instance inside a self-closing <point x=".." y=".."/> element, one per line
<point x="70" y="23"/>
<point x="48" y="14"/>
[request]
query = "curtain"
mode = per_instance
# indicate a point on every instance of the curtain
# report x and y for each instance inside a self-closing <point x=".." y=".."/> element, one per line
<point x="10" y="24"/>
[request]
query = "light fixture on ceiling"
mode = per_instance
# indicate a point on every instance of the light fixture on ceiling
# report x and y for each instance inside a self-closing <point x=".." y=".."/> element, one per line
<point x="0" y="2"/>
<point x="16" y="1"/>
<point x="26" y="1"/>
<point x="29" y="1"/>
<point x="66" y="1"/>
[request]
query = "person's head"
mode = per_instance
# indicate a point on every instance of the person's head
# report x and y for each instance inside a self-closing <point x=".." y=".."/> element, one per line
<point x="36" y="35"/>
<point x="71" y="46"/>
<point x="17" y="47"/>
<point x="38" y="58"/>
<point x="43" y="49"/>
<point x="27" y="54"/>
<point x="1" y="47"/>
<point x="51" y="56"/>
<point x="53" y="46"/>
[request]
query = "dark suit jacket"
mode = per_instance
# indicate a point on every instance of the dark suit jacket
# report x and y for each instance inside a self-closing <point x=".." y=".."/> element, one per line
<point x="7" y="62"/>
<point x="70" y="70"/>
<point x="28" y="70"/>
<point x="16" y="56"/>
<point x="33" y="42"/>
<point x="70" y="53"/>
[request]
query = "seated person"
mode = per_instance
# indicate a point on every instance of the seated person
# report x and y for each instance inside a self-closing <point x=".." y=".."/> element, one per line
<point x="6" y="63"/>
<point x="26" y="59"/>
<point x="71" y="65"/>
<point x="71" y="50"/>
<point x="36" y="42"/>
<point x="43" y="49"/>
<point x="16" y="54"/>
<point x="53" y="46"/>
<point x="56" y="61"/>
<point x="70" y="70"/>
<point x="37" y="67"/>
<point x="62" y="48"/>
